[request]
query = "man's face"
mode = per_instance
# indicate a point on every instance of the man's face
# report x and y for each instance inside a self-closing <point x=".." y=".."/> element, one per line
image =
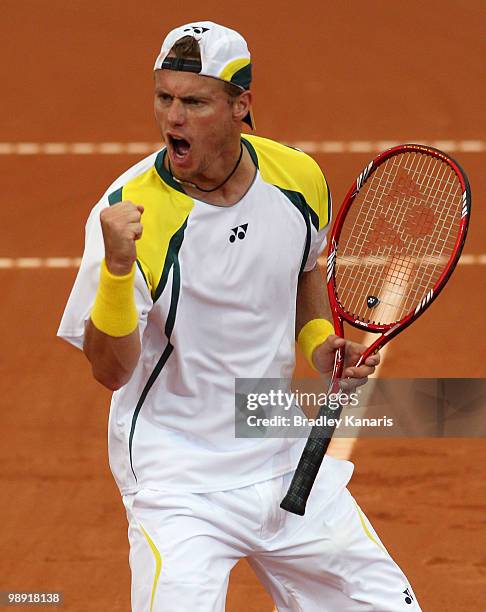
<point x="195" y="119"/>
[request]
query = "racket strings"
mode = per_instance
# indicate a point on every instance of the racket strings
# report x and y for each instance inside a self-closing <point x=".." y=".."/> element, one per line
<point x="424" y="223"/>
<point x="398" y="237"/>
<point x="371" y="226"/>
<point x="399" y="269"/>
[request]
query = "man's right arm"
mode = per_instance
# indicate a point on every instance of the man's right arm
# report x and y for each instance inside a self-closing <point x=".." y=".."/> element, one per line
<point x="112" y="340"/>
<point x="112" y="359"/>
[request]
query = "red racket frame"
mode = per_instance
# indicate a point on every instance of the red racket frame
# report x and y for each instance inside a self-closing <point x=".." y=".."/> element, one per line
<point x="390" y="330"/>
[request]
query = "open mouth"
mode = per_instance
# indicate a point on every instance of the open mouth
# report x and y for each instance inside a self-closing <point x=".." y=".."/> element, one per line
<point x="180" y="147"/>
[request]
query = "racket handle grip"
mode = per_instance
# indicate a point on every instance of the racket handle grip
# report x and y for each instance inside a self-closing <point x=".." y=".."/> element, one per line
<point x="308" y="467"/>
<point x="305" y="475"/>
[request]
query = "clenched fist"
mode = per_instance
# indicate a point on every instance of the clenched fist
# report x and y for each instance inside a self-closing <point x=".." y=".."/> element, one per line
<point x="122" y="227"/>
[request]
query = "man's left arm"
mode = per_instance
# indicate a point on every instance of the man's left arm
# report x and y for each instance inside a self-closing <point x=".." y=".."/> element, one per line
<point x="313" y="303"/>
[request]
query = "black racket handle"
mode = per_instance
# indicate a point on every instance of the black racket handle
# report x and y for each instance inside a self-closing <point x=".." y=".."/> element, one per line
<point x="309" y="463"/>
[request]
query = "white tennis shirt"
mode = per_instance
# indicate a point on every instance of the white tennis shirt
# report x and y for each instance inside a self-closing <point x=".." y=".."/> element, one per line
<point x="216" y="291"/>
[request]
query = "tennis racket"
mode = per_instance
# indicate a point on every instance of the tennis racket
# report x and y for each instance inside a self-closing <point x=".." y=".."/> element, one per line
<point x="395" y="242"/>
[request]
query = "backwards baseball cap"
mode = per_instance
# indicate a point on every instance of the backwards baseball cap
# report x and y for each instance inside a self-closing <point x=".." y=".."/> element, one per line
<point x="224" y="55"/>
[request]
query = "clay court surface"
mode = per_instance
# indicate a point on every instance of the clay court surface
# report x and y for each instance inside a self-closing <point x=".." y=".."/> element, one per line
<point x="356" y="75"/>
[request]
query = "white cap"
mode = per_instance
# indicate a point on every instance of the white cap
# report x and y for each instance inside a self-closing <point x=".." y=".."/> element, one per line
<point x="224" y="54"/>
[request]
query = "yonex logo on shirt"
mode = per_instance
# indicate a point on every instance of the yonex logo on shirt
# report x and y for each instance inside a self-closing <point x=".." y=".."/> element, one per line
<point x="238" y="232"/>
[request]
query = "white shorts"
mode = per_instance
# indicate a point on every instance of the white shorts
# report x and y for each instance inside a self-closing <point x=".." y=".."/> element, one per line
<point x="184" y="545"/>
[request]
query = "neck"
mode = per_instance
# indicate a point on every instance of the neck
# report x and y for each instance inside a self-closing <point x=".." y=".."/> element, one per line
<point x="218" y="185"/>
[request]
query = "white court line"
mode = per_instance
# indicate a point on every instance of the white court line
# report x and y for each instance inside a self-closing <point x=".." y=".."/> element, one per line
<point x="467" y="259"/>
<point x="7" y="263"/>
<point x="36" y="263"/>
<point x="309" y="146"/>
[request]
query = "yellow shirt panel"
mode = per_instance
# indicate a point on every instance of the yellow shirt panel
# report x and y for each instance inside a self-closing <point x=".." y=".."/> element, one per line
<point x="294" y="170"/>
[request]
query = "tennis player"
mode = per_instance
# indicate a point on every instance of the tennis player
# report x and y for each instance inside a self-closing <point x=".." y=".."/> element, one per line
<point x="199" y="268"/>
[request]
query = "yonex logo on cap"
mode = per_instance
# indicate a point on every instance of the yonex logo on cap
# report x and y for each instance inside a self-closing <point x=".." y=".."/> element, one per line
<point x="196" y="29"/>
